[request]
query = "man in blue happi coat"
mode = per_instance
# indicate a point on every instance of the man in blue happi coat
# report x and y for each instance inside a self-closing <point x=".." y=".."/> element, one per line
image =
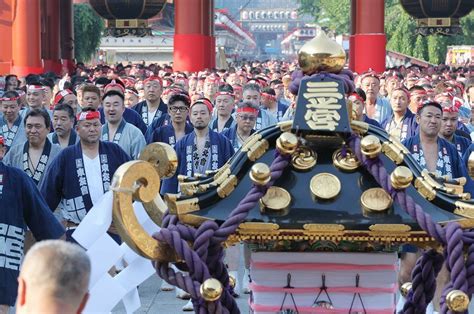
<point x="81" y="174"/>
<point x="21" y="206"/>
<point x="200" y="150"/>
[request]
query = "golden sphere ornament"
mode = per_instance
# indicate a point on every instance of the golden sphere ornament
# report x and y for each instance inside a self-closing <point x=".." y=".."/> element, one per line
<point x="457" y="301"/>
<point x="287" y="143"/>
<point x="321" y="54"/>
<point x="232" y="281"/>
<point x="260" y="174"/>
<point x="370" y="146"/>
<point x="211" y="290"/>
<point x="401" y="177"/>
<point x="405" y="289"/>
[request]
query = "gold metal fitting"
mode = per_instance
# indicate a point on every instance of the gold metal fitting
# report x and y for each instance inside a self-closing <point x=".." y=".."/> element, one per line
<point x="211" y="289"/>
<point x="375" y="200"/>
<point x="287" y="143"/>
<point x="405" y="289"/>
<point x="232" y="281"/>
<point x="260" y="174"/>
<point x="370" y="146"/>
<point x="457" y="301"/>
<point x="163" y="157"/>
<point x="401" y="177"/>
<point x="276" y="199"/>
<point x="321" y="54"/>
<point x="304" y="158"/>
<point x="348" y="163"/>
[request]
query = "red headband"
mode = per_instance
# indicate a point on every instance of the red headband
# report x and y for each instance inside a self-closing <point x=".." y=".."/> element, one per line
<point x="407" y="93"/>
<point x="129" y="91"/>
<point x="418" y="92"/>
<point x="247" y="109"/>
<point x="2" y="141"/>
<point x="153" y="78"/>
<point x="203" y="101"/>
<point x="357" y="97"/>
<point x="59" y="96"/>
<point x="237" y="88"/>
<point x="88" y="115"/>
<point x="113" y="84"/>
<point x="268" y="96"/>
<point x="225" y="94"/>
<point x="9" y="99"/>
<point x="451" y="109"/>
<point x="35" y="87"/>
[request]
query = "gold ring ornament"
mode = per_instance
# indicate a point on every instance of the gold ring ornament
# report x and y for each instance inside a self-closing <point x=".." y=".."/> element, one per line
<point x="138" y="180"/>
<point x="162" y="156"/>
<point x="211" y="289"/>
<point x="325" y="186"/>
<point x="370" y="146"/>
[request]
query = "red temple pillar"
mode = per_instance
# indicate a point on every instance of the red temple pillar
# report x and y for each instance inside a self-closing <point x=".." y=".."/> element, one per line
<point x="50" y="44"/>
<point x="367" y="41"/>
<point x="6" y="17"/>
<point x="26" y="43"/>
<point x="194" y="41"/>
<point x="66" y="22"/>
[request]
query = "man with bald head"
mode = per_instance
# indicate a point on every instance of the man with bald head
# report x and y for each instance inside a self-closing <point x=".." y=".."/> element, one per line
<point x="54" y="278"/>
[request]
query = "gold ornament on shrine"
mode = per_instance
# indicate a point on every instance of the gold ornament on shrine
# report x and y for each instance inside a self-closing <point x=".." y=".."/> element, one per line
<point x="287" y="143"/>
<point x="401" y="177"/>
<point x="321" y="54"/>
<point x="457" y="301"/>
<point x="405" y="289"/>
<point x="325" y="186"/>
<point x="211" y="290"/>
<point x="260" y="174"/>
<point x="370" y="146"/>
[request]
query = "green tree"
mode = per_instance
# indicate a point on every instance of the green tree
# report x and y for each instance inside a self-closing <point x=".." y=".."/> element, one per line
<point x="400" y="28"/>
<point x="88" y="27"/>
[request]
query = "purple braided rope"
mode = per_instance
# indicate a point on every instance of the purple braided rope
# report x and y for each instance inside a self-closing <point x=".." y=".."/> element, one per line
<point x="346" y="76"/>
<point x="376" y="168"/>
<point x="454" y="263"/>
<point x="423" y="282"/>
<point x="470" y="269"/>
<point x="205" y="259"/>
<point x="451" y="237"/>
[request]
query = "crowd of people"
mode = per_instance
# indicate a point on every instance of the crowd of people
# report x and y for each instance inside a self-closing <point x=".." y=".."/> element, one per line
<point x="62" y="138"/>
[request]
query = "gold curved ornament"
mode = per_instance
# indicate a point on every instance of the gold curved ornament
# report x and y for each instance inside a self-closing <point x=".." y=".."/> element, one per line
<point x="325" y="186"/>
<point x="375" y="200"/>
<point x="137" y="180"/>
<point x="321" y="54"/>
<point x="287" y="143"/>
<point x="303" y="158"/>
<point x="162" y="156"/>
<point x="348" y="163"/>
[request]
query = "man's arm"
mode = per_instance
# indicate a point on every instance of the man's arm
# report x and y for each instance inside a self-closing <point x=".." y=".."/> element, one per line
<point x="52" y="185"/>
<point x="38" y="216"/>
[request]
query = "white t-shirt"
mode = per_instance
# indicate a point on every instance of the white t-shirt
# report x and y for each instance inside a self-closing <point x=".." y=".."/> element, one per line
<point x="151" y="116"/>
<point x="94" y="177"/>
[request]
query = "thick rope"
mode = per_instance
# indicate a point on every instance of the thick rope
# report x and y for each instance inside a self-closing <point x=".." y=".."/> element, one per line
<point x="423" y="282"/>
<point x="452" y="237"/>
<point x="205" y="259"/>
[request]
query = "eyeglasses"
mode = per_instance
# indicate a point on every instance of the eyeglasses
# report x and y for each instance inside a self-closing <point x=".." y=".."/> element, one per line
<point x="181" y="109"/>
<point x="246" y="117"/>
